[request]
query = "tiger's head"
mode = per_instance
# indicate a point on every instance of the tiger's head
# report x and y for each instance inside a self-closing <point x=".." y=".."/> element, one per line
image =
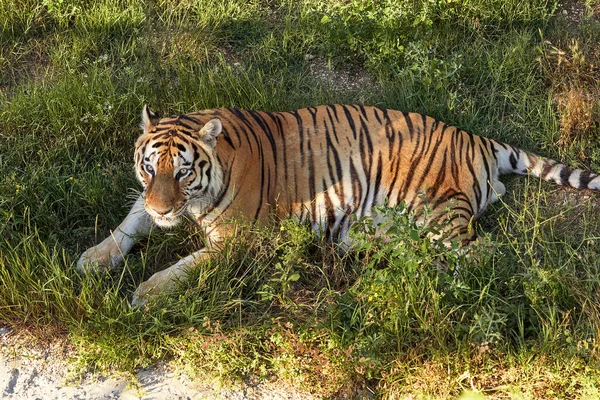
<point x="176" y="162"/>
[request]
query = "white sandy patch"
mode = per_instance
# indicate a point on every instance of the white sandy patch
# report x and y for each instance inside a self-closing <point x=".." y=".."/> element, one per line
<point x="32" y="371"/>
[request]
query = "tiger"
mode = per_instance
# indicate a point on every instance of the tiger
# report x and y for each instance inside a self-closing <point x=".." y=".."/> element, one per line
<point x="326" y="166"/>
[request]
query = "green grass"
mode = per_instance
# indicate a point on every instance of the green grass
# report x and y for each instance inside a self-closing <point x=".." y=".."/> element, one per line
<point x="520" y="318"/>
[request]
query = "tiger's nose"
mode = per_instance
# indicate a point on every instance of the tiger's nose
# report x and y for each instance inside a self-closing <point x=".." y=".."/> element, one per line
<point x="161" y="210"/>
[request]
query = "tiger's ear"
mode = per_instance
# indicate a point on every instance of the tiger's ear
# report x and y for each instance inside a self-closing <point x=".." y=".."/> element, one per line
<point x="210" y="131"/>
<point x="149" y="119"/>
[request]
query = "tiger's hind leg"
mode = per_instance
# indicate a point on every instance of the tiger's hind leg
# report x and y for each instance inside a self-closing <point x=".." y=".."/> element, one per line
<point x="451" y="221"/>
<point x="457" y="228"/>
<point x="450" y="227"/>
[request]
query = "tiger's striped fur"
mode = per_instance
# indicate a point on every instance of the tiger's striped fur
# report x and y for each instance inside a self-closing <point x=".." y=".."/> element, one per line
<point x="323" y="164"/>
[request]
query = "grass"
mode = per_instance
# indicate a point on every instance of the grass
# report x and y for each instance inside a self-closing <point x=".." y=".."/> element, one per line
<point x="519" y="318"/>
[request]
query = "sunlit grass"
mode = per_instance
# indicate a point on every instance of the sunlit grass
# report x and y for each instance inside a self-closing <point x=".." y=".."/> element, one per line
<point x="518" y="316"/>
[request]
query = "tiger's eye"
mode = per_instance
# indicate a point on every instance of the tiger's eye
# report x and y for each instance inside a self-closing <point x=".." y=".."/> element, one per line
<point x="182" y="173"/>
<point x="149" y="169"/>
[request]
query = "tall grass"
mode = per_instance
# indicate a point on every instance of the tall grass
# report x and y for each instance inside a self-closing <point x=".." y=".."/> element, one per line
<point x="517" y="315"/>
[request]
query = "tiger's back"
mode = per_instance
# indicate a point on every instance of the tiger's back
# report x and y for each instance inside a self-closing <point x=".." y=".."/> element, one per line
<point x="325" y="163"/>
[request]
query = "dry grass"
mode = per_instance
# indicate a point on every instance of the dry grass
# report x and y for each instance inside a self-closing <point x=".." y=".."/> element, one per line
<point x="574" y="75"/>
<point x="579" y="114"/>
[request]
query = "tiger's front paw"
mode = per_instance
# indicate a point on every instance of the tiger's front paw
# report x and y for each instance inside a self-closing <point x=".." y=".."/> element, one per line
<point x="105" y="255"/>
<point x="162" y="281"/>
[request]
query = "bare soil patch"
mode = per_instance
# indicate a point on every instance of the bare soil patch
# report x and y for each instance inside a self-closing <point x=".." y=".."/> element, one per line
<point x="32" y="369"/>
<point x="346" y="79"/>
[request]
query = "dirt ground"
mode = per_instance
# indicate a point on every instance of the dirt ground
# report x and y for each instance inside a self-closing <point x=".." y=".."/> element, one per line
<point x="42" y="371"/>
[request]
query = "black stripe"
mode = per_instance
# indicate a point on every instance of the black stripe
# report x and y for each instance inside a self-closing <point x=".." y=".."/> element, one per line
<point x="338" y="166"/>
<point x="390" y="133"/>
<point x="396" y="173"/>
<point x="363" y="111"/>
<point x="421" y="141"/>
<point x="232" y="128"/>
<point x="267" y="131"/>
<point x="447" y="195"/>
<point x="332" y="125"/>
<point x="365" y="158"/>
<point x="313" y="113"/>
<point x="513" y="161"/>
<point x="350" y="120"/>
<point x="300" y="135"/>
<point x="453" y="154"/>
<point x="367" y="135"/>
<point x="378" y="178"/>
<point x="161" y="129"/>
<point x="333" y="108"/>
<point x="488" y="181"/>
<point x="356" y="188"/>
<point x="226" y="138"/>
<point x="275" y="118"/>
<point x="375" y="109"/>
<point x="452" y="218"/>
<point x="432" y="129"/>
<point x="329" y="211"/>
<point x="461" y="150"/>
<point x="493" y="149"/>
<point x="458" y="197"/>
<point x="585" y="179"/>
<point x="262" y="187"/>
<point x="311" y="181"/>
<point x="440" y="177"/>
<point x="188" y="118"/>
<point x="549" y="165"/>
<point x="469" y="159"/>
<point x="409" y="123"/>
<point x="565" y="173"/>
<point x="186" y="126"/>
<point x="503" y="145"/>
<point x="225" y="189"/>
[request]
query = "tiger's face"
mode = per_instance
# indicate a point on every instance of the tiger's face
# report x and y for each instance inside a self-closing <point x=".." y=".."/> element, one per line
<point x="175" y="161"/>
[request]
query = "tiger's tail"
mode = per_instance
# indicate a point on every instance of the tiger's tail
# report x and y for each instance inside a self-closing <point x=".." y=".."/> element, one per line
<point x="514" y="160"/>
